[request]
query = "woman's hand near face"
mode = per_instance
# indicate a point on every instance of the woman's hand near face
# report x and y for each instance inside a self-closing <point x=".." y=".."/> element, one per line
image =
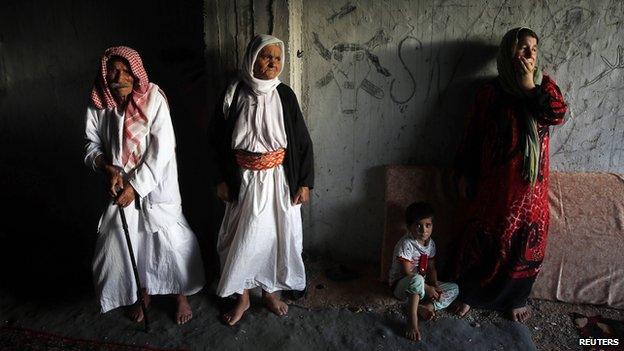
<point x="525" y="74"/>
<point x="302" y="196"/>
<point x="525" y="57"/>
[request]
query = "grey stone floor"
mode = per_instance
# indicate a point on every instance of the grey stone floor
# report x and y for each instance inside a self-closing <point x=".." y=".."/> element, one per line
<point x="327" y="329"/>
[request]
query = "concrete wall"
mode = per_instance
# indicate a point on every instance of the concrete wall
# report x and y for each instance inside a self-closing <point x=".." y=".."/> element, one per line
<point x="389" y="82"/>
<point x="381" y="82"/>
<point x="228" y="28"/>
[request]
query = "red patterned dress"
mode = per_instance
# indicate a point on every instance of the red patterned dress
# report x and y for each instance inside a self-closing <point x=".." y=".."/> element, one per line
<point x="503" y="238"/>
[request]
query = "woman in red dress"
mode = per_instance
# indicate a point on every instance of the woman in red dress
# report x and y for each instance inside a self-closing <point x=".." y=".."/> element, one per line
<point x="503" y="167"/>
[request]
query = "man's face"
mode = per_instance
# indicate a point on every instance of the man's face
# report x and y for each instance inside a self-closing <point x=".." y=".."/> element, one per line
<point x="119" y="77"/>
<point x="422" y="229"/>
<point x="268" y="62"/>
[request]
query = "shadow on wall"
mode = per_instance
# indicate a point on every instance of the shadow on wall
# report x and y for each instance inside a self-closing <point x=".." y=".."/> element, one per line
<point x="49" y="229"/>
<point x="446" y="75"/>
<point x="52" y="201"/>
<point x="365" y="214"/>
<point x="221" y="70"/>
<point x="446" y="118"/>
<point x="447" y="115"/>
<point x="454" y="73"/>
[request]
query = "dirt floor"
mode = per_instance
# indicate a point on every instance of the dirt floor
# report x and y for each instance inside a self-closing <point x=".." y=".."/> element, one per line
<point x="356" y="313"/>
<point x="331" y="328"/>
<point x="551" y="326"/>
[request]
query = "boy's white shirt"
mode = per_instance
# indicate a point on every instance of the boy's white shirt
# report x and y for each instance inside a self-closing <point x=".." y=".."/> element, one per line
<point x="410" y="249"/>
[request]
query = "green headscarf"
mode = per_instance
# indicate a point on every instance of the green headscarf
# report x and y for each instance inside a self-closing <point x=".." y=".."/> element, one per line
<point x="507" y="79"/>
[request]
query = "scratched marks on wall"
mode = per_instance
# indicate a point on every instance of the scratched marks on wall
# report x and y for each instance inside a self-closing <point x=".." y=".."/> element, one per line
<point x="411" y="76"/>
<point x="564" y="33"/>
<point x="356" y="68"/>
<point x="345" y="10"/>
<point x="401" y="75"/>
<point x="585" y="49"/>
<point x="618" y="63"/>
<point x="617" y="146"/>
<point x="361" y="62"/>
<point x="352" y="66"/>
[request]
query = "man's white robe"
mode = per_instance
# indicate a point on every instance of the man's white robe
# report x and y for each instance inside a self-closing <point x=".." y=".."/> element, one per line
<point x="165" y="247"/>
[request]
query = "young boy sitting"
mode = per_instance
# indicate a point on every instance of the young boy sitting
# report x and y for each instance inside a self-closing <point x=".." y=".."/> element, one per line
<point x="413" y="273"/>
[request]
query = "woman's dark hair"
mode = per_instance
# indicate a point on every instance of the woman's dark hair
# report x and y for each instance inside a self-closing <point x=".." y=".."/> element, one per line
<point x="417" y="211"/>
<point x="527" y="32"/>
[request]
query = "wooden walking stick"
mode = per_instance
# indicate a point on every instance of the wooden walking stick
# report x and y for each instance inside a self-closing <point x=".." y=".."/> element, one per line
<point x="140" y="299"/>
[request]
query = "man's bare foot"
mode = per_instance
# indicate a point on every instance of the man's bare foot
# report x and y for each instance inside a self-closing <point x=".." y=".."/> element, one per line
<point x="274" y="304"/>
<point x="460" y="309"/>
<point x="426" y="312"/>
<point x="135" y="312"/>
<point x="520" y="314"/>
<point x="235" y="314"/>
<point x="412" y="331"/>
<point x="183" y="311"/>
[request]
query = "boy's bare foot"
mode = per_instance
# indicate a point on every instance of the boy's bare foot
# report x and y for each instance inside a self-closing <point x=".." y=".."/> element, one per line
<point x="183" y="312"/>
<point x="235" y="314"/>
<point x="274" y="304"/>
<point x="520" y="314"/>
<point x="135" y="312"/>
<point x="460" y="309"/>
<point x="412" y="331"/>
<point x="426" y="312"/>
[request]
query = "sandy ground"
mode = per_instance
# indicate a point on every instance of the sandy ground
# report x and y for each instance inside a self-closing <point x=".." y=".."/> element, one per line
<point x="356" y="314"/>
<point x="330" y="328"/>
<point x="551" y="326"/>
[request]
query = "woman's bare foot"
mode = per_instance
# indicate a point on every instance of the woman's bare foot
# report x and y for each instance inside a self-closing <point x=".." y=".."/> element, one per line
<point x="412" y="331"/>
<point x="183" y="311"/>
<point x="460" y="309"/>
<point x="520" y="314"/>
<point x="235" y="314"/>
<point x="426" y="311"/>
<point x="274" y="304"/>
<point x="135" y="312"/>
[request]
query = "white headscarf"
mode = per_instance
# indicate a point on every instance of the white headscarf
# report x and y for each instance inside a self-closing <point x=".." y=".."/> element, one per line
<point x="258" y="86"/>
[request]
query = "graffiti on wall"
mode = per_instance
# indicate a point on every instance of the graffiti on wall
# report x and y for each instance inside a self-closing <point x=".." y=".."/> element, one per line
<point x="354" y="67"/>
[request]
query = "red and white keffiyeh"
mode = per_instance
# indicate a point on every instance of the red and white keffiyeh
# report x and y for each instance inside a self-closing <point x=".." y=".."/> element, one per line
<point x="135" y="118"/>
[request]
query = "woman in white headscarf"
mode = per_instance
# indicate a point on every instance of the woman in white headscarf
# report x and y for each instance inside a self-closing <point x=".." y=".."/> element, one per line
<point x="264" y="172"/>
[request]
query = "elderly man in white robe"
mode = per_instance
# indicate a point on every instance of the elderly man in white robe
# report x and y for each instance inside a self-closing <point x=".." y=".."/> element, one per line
<point x="264" y="172"/>
<point x="129" y="137"/>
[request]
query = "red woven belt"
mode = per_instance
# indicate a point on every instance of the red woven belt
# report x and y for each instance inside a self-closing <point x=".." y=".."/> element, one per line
<point x="260" y="161"/>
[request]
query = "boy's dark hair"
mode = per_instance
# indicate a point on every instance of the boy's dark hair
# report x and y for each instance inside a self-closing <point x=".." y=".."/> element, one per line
<point x="417" y="211"/>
